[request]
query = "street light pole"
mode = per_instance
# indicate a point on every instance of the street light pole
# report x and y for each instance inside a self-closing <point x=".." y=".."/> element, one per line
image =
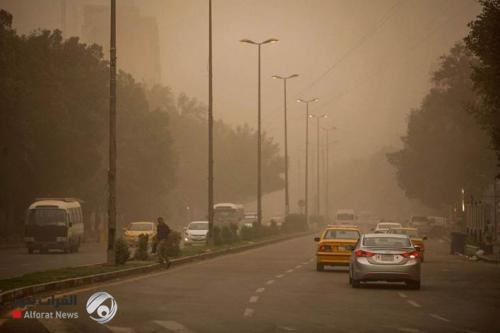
<point x="327" y="191"/>
<point x="259" y="131"/>
<point x="287" y="198"/>
<point x="306" y="190"/>
<point x="210" y="131"/>
<point x="112" y="140"/>
<point x="318" y="117"/>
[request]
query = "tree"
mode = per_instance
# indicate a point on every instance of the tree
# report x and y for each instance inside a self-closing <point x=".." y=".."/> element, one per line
<point x="484" y="42"/>
<point x="444" y="149"/>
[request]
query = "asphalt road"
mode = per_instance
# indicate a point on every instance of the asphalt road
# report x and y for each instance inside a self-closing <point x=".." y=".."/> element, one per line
<point x="17" y="261"/>
<point x="277" y="289"/>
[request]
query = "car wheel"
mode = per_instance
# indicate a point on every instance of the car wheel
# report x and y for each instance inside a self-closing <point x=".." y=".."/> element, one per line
<point x="422" y="259"/>
<point x="413" y="285"/>
<point x="355" y="283"/>
<point x="30" y="250"/>
<point x="320" y="267"/>
<point x="44" y="251"/>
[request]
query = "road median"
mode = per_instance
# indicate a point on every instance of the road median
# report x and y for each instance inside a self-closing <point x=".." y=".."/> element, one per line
<point x="60" y="279"/>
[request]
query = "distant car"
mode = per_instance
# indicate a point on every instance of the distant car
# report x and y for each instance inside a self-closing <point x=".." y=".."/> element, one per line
<point x="383" y="227"/>
<point x="385" y="257"/>
<point x="416" y="239"/>
<point x="196" y="233"/>
<point x="335" y="246"/>
<point x="345" y="216"/>
<point x="418" y="221"/>
<point x="134" y="229"/>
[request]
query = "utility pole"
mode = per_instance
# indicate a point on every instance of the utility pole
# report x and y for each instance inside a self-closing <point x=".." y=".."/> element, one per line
<point x="210" y="132"/>
<point x="287" y="198"/>
<point x="318" y="117"/>
<point x="259" y="131"/>
<point x="112" y="140"/>
<point x="306" y="190"/>
<point x="327" y="192"/>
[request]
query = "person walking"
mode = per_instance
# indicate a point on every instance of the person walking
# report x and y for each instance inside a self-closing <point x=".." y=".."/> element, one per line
<point x="160" y="246"/>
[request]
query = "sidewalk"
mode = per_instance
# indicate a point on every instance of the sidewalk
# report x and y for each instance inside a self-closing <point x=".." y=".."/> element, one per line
<point x="494" y="258"/>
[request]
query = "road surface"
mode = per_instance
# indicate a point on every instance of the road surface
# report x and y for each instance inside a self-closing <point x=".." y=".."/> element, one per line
<point x="277" y="289"/>
<point x="17" y="261"/>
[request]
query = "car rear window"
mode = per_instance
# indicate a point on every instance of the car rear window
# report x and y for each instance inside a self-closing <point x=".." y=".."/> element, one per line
<point x="341" y="234"/>
<point x="140" y="226"/>
<point x="389" y="242"/>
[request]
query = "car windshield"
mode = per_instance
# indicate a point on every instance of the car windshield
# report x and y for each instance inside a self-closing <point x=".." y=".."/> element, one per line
<point x="47" y="216"/>
<point x="198" y="226"/>
<point x="341" y="234"/>
<point x="410" y="233"/>
<point x="386" y="242"/>
<point x="345" y="217"/>
<point x="140" y="226"/>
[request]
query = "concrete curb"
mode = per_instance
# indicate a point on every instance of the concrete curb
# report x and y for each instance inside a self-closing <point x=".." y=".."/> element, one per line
<point x="489" y="259"/>
<point x="9" y="296"/>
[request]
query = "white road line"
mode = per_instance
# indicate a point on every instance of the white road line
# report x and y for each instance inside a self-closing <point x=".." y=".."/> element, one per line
<point x="289" y="271"/>
<point x="253" y="299"/>
<point x="279" y="276"/>
<point x="436" y="316"/>
<point x="116" y="329"/>
<point x="270" y="282"/>
<point x="298" y="266"/>
<point x="415" y="304"/>
<point x="248" y="312"/>
<point x="305" y="262"/>
<point x="260" y="290"/>
<point x="173" y="326"/>
<point x="403" y="295"/>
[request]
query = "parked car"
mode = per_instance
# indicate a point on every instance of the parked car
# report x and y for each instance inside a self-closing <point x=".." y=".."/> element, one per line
<point x="383" y="227"/>
<point x="134" y="229"/>
<point x="385" y="257"/>
<point x="196" y="233"/>
<point x="54" y="223"/>
<point x="335" y="245"/>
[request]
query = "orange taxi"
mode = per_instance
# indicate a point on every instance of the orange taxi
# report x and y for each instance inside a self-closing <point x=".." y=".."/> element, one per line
<point x="335" y="245"/>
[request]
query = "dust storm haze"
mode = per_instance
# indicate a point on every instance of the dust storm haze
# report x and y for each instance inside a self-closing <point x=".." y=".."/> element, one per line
<point x="368" y="62"/>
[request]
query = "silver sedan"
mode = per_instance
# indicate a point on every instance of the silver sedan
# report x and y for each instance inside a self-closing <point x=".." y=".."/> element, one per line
<point x="385" y="257"/>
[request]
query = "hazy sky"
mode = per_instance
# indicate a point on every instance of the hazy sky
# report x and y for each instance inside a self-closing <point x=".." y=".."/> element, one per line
<point x="367" y="61"/>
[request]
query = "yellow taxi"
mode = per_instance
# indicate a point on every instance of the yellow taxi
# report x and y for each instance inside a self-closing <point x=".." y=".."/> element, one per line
<point x="134" y="229"/>
<point x="416" y="239"/>
<point x="335" y="245"/>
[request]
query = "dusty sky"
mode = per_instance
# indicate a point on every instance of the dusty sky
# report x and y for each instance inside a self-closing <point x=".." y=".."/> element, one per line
<point x="367" y="61"/>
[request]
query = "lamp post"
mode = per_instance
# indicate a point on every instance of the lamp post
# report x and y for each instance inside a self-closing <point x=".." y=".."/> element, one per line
<point x="210" y="132"/>
<point x="318" y="117"/>
<point x="287" y="198"/>
<point x="112" y="140"/>
<point x="306" y="194"/>
<point x="259" y="138"/>
<point x="327" y="190"/>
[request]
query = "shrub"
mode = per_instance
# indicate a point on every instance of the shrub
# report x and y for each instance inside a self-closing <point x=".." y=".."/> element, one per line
<point x="273" y="228"/>
<point x="141" y="253"/>
<point x="122" y="252"/>
<point x="217" y="235"/>
<point x="246" y="233"/>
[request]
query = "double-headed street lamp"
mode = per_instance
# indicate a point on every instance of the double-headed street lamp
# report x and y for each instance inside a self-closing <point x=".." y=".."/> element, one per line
<point x="287" y="198"/>
<point x="306" y="194"/>
<point x="318" y="117"/>
<point x="259" y="139"/>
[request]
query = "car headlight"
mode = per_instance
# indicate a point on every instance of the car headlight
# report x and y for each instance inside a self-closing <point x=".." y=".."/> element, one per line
<point x="61" y="239"/>
<point x="29" y="239"/>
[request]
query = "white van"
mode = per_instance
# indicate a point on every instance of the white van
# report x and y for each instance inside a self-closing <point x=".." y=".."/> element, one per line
<point x="54" y="223"/>
<point x="345" y="216"/>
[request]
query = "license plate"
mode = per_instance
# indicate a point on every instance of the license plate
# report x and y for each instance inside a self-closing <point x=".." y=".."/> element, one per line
<point x="386" y="257"/>
<point x="341" y="248"/>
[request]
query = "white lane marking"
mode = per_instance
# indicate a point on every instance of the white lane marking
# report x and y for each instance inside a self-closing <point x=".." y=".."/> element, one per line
<point x="415" y="304"/>
<point x="403" y="295"/>
<point x="305" y="262"/>
<point x="289" y="271"/>
<point x="54" y="325"/>
<point x="279" y="276"/>
<point x="260" y="290"/>
<point x="248" y="312"/>
<point x="270" y="282"/>
<point x="298" y="266"/>
<point x="253" y="299"/>
<point x="173" y="326"/>
<point x="409" y="330"/>
<point x="436" y="316"/>
<point x="287" y="328"/>
<point x="116" y="329"/>
<point x="441" y="241"/>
